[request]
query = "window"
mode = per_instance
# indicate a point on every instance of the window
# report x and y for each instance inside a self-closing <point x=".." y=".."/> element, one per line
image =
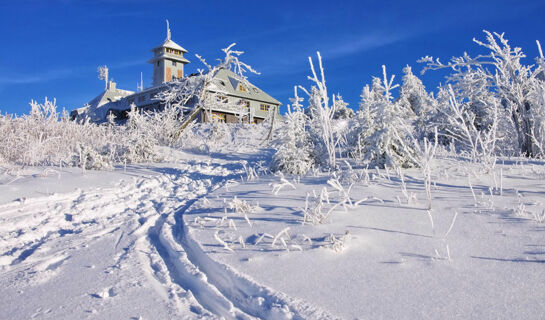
<point x="245" y="103"/>
<point x="264" y="107"/>
<point x="157" y="63"/>
<point x="223" y="99"/>
<point x="241" y="87"/>
<point x="174" y="63"/>
<point x="219" y="117"/>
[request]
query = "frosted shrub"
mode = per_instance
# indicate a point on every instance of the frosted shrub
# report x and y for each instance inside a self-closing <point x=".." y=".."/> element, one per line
<point x="480" y="143"/>
<point x="293" y="143"/>
<point x="45" y="137"/>
<point x="242" y="206"/>
<point x="88" y="158"/>
<point x="139" y="150"/>
<point x="320" y="124"/>
<point x="310" y="138"/>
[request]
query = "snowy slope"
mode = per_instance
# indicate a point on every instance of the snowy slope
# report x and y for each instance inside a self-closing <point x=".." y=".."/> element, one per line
<point x="393" y="263"/>
<point x="215" y="235"/>
<point x="117" y="249"/>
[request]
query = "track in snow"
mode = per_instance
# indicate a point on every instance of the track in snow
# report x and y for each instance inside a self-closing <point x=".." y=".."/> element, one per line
<point x="145" y="218"/>
<point x="218" y="288"/>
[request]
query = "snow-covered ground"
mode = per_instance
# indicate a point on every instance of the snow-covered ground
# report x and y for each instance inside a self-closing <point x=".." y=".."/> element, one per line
<point x="215" y="235"/>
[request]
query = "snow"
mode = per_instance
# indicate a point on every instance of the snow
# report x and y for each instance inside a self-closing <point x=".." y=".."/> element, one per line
<point x="211" y="234"/>
<point x="394" y="264"/>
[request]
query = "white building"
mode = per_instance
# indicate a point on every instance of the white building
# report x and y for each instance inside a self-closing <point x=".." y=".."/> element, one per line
<point x="168" y="64"/>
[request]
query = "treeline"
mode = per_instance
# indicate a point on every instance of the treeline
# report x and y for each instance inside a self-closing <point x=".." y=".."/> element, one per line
<point x="491" y="105"/>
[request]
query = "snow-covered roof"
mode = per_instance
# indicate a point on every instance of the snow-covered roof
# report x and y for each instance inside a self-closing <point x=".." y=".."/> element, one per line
<point x="170" y="44"/>
<point x="94" y="110"/>
<point x="226" y="81"/>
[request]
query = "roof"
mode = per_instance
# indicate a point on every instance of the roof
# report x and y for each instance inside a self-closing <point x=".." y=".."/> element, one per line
<point x="95" y="111"/>
<point x="226" y="81"/>
<point x="170" y="44"/>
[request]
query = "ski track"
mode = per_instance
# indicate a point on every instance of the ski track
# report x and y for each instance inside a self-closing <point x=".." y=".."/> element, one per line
<point x="149" y="211"/>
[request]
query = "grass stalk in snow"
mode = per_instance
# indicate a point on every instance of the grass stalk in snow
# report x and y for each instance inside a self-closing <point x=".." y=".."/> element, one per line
<point x="472" y="191"/>
<point x="431" y="221"/>
<point x="539" y="217"/>
<point x="501" y="181"/>
<point x="223" y="243"/>
<point x="283" y="184"/>
<point x="279" y="235"/>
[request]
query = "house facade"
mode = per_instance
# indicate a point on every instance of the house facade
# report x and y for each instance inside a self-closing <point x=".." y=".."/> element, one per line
<point x="253" y="105"/>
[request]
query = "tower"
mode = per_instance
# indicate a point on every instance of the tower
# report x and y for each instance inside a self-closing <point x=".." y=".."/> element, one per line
<point x="168" y="61"/>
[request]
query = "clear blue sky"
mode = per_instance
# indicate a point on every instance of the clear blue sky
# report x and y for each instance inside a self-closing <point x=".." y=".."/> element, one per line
<point x="52" y="48"/>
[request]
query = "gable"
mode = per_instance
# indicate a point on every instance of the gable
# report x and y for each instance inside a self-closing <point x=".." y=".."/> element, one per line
<point x="232" y="84"/>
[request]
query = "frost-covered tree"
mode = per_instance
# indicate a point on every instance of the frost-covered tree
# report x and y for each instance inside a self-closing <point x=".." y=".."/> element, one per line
<point x="341" y="109"/>
<point x="515" y="85"/>
<point x="383" y="133"/>
<point x="413" y="96"/>
<point x="459" y="125"/>
<point x="362" y="125"/>
<point x="294" y="147"/>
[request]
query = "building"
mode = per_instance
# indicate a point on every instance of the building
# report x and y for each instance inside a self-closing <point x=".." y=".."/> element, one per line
<point x="168" y="64"/>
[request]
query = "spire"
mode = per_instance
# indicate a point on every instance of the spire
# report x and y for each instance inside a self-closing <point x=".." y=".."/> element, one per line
<point x="168" y="31"/>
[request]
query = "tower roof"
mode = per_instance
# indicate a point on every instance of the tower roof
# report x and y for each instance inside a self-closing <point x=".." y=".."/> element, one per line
<point x="170" y="44"/>
<point x="169" y="57"/>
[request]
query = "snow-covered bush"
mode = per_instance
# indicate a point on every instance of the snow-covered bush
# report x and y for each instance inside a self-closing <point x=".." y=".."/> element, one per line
<point x="459" y="124"/>
<point x="321" y="113"/>
<point x="88" y="158"/>
<point x="310" y="137"/>
<point x="293" y="143"/>
<point x="45" y="137"/>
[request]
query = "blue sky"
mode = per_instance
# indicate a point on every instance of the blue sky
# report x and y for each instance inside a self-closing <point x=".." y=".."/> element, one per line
<point x="52" y="48"/>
